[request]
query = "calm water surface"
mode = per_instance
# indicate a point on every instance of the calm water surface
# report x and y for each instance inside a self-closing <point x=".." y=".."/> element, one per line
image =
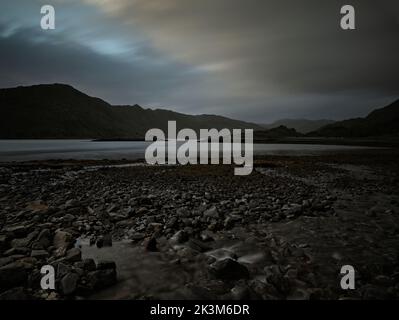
<point x="24" y="150"/>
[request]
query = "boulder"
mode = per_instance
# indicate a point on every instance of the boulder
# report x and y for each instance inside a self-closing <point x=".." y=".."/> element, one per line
<point x="212" y="213"/>
<point x="106" y="264"/>
<point x="16" y="293"/>
<point x="69" y="283"/>
<point x="229" y="269"/>
<point x="100" y="279"/>
<point x="12" y="275"/>
<point x="39" y="254"/>
<point x="62" y="239"/>
<point x="73" y="255"/>
<point x="150" y="244"/>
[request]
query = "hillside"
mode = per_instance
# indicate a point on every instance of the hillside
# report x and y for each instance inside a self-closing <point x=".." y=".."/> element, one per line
<point x="60" y="111"/>
<point x="300" y="125"/>
<point x="380" y="122"/>
<point x="276" y="133"/>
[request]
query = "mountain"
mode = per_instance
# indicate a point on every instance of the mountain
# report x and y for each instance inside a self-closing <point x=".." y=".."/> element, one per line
<point x="61" y="111"/>
<point x="279" y="132"/>
<point x="300" y="125"/>
<point x="380" y="122"/>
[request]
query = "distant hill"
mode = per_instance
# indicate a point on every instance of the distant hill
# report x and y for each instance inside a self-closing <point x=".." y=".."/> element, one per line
<point x="300" y="125"/>
<point x="279" y="132"/>
<point x="380" y="122"/>
<point x="60" y="111"/>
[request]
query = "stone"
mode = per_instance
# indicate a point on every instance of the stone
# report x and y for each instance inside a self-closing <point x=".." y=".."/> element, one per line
<point x="229" y="269"/>
<point x="222" y="253"/>
<point x="72" y="203"/>
<point x="179" y="237"/>
<point x="89" y="264"/>
<point x="141" y="211"/>
<point x="106" y="264"/>
<point x="36" y="246"/>
<point x="92" y="241"/>
<point x="62" y="239"/>
<point x="100" y="279"/>
<point x="107" y="240"/>
<point x="69" y="283"/>
<point x="299" y="294"/>
<point x="24" y="242"/>
<point x="3" y="242"/>
<point x="12" y="275"/>
<point x="5" y="260"/>
<point x="136" y="236"/>
<point x="212" y="213"/>
<point x="74" y="255"/>
<point x="16" y="293"/>
<point x="18" y="252"/>
<point x="337" y="256"/>
<point x="52" y="296"/>
<point x="207" y="235"/>
<point x="150" y="244"/>
<point x="62" y="270"/>
<point x="39" y="254"/>
<point x="37" y="205"/>
<point x="100" y="242"/>
<point x="19" y="231"/>
<point x="68" y="217"/>
<point x="228" y="223"/>
<point x="198" y="245"/>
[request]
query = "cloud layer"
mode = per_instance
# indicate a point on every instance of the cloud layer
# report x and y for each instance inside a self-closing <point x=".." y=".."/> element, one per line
<point x="253" y="60"/>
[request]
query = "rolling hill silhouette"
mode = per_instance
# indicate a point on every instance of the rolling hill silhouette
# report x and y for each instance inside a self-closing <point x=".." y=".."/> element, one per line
<point x="61" y="111"/>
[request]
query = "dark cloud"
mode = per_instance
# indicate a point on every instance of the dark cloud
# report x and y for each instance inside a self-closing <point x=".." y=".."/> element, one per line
<point x="25" y="61"/>
<point x="257" y="60"/>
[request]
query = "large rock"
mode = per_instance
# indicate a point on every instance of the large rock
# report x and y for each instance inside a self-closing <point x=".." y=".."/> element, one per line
<point x="3" y="242"/>
<point x="39" y="254"/>
<point x="212" y="213"/>
<point x="104" y="241"/>
<point x="12" y="275"/>
<point x="37" y="206"/>
<point x="17" y="293"/>
<point x="229" y="269"/>
<point x="62" y="242"/>
<point x="19" y="231"/>
<point x="63" y="239"/>
<point x="74" y="255"/>
<point x="62" y="270"/>
<point x="72" y="203"/>
<point x="107" y="240"/>
<point x="150" y="244"/>
<point x="100" y="279"/>
<point x="179" y="237"/>
<point x="106" y="264"/>
<point x="69" y="283"/>
<point x="44" y="238"/>
<point x="89" y="264"/>
<point x="5" y="260"/>
<point x="24" y="242"/>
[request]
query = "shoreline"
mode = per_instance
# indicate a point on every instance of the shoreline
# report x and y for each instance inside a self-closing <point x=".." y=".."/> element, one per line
<point x="286" y="229"/>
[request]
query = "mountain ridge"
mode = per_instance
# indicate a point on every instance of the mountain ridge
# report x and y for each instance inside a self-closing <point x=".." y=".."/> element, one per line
<point x="59" y="111"/>
<point x="66" y="112"/>
<point x="379" y="122"/>
<point x="300" y="125"/>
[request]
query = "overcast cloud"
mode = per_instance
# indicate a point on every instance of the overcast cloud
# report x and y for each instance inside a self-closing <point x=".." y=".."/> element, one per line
<point x="252" y="60"/>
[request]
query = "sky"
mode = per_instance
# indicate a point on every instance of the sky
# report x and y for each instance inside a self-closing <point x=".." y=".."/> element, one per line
<point x="253" y="60"/>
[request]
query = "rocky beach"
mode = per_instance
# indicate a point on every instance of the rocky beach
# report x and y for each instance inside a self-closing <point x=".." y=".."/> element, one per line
<point x="116" y="230"/>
